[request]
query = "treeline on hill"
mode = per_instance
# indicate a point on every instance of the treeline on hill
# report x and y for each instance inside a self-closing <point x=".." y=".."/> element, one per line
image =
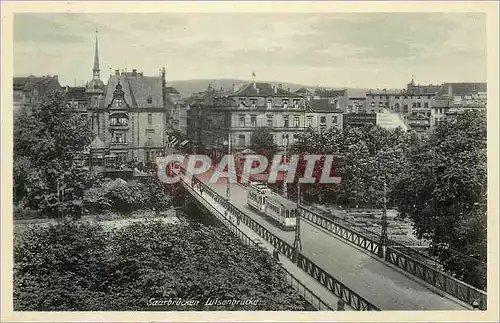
<point x="439" y="181"/>
<point x="78" y="266"/>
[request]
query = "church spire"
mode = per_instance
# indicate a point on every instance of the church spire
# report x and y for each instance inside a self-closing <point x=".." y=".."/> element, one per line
<point x="96" y="69"/>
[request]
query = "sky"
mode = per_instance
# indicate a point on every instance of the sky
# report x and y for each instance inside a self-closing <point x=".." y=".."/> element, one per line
<point x="367" y="50"/>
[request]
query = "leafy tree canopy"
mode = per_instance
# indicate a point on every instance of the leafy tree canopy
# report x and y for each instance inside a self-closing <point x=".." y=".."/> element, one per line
<point x="262" y="141"/>
<point x="445" y="195"/>
<point x="73" y="266"/>
<point x="49" y="141"/>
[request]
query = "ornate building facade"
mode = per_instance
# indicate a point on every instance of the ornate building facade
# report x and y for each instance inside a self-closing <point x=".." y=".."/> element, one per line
<point x="128" y="116"/>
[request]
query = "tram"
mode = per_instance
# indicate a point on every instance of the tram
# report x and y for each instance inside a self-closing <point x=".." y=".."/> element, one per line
<point x="270" y="204"/>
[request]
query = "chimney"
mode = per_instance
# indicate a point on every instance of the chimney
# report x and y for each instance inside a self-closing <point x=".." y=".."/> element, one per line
<point x="254" y="85"/>
<point x="258" y="90"/>
<point x="275" y="89"/>
<point x="117" y="72"/>
<point x="67" y="88"/>
<point x="450" y="90"/>
<point x="134" y="72"/>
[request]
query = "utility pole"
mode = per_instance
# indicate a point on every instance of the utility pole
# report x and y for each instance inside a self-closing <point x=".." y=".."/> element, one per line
<point x="285" y="167"/>
<point x="297" y="243"/>
<point x="383" y="235"/>
<point x="228" y="186"/>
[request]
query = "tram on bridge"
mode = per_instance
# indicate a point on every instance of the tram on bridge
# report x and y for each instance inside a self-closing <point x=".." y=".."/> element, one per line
<point x="266" y="202"/>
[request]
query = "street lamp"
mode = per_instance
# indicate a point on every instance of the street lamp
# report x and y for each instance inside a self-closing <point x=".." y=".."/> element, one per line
<point x="383" y="235"/>
<point x="297" y="243"/>
<point x="228" y="186"/>
<point x="285" y="168"/>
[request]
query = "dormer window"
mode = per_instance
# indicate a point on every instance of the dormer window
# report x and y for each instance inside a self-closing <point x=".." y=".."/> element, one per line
<point x="149" y="99"/>
<point x="119" y="103"/>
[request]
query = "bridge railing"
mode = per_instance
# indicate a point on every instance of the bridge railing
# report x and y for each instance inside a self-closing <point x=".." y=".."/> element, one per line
<point x="345" y="233"/>
<point x="305" y="292"/>
<point x="437" y="278"/>
<point x="335" y="286"/>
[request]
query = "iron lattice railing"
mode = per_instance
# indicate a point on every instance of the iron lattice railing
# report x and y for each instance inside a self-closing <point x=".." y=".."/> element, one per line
<point x="333" y="285"/>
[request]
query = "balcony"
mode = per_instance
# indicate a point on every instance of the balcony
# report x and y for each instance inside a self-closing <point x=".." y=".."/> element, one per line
<point x="118" y="126"/>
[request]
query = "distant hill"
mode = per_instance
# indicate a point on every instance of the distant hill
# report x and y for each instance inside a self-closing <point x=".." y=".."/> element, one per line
<point x="188" y="87"/>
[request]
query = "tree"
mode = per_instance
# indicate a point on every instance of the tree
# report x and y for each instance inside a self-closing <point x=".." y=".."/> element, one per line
<point x="60" y="267"/>
<point x="79" y="266"/>
<point x="262" y="142"/>
<point x="48" y="142"/>
<point x="445" y="196"/>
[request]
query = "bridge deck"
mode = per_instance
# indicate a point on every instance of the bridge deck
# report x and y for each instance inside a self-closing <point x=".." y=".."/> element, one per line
<point x="384" y="286"/>
<point x="292" y="268"/>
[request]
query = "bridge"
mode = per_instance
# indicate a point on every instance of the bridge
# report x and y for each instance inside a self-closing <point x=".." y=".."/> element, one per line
<point x="336" y="262"/>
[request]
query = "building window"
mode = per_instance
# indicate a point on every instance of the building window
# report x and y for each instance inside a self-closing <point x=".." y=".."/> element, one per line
<point x="270" y="121"/>
<point x="419" y="105"/>
<point x="414" y="105"/>
<point x="405" y="108"/>
<point x="150" y="118"/>
<point x="253" y="121"/>
<point x="242" y="121"/>
<point x="118" y="137"/>
<point x="381" y="97"/>
<point x="150" y="99"/>
<point x="254" y="103"/>
<point x="380" y="104"/>
<point x="309" y="121"/>
<point x="285" y="121"/>
<point x="119" y="103"/>
<point x="285" y="103"/>
<point x="269" y="103"/>
<point x="428" y="96"/>
<point x="296" y="103"/>
<point x="322" y="120"/>
<point x="296" y="122"/>
<point x="322" y="128"/>
<point x="284" y="139"/>
<point x="426" y="105"/>
<point x="150" y="131"/>
<point x="373" y="104"/>
<point x="396" y="107"/>
<point x="242" y="103"/>
<point x="334" y="119"/>
<point x="241" y="140"/>
<point x="396" y="97"/>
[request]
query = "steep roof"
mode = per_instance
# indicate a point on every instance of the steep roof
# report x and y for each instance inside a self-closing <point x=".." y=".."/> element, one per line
<point x="262" y="90"/>
<point x="303" y="90"/>
<point x="323" y="105"/>
<point x="41" y="83"/>
<point x="171" y="90"/>
<point x="137" y="90"/>
<point x="330" y="93"/>
<point x="97" y="143"/>
<point x="460" y="89"/>
<point x="75" y="93"/>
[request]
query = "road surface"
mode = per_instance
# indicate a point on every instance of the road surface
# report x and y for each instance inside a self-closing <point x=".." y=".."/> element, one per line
<point x="385" y="286"/>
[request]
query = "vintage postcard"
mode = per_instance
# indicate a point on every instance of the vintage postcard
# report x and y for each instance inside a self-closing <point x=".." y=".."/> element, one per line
<point x="237" y="161"/>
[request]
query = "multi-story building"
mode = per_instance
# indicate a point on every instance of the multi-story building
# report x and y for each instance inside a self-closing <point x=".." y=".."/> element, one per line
<point x="77" y="98"/>
<point x="128" y="115"/>
<point x="31" y="90"/>
<point x="238" y="113"/>
<point x="413" y="103"/>
<point x="323" y="114"/>
<point x="455" y="98"/>
<point x="338" y="97"/>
